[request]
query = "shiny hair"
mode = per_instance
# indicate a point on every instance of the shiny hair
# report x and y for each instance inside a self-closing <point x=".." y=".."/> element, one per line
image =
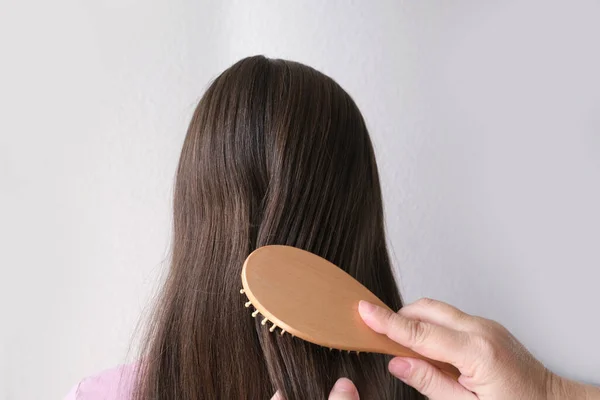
<point x="276" y="153"/>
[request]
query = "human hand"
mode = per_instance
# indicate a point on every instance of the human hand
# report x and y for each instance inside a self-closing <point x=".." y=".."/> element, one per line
<point x="343" y="389"/>
<point x="492" y="362"/>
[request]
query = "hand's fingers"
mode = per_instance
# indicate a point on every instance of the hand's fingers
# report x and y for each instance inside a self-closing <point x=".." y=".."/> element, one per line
<point x="428" y="380"/>
<point x="277" y="396"/>
<point x="344" y="389"/>
<point x="439" y="313"/>
<point x="432" y="341"/>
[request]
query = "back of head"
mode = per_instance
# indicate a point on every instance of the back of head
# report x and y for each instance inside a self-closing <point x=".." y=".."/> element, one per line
<point x="276" y="153"/>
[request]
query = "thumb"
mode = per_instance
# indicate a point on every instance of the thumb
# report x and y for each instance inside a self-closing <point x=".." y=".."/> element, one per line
<point x="428" y="380"/>
<point x="344" y="389"/>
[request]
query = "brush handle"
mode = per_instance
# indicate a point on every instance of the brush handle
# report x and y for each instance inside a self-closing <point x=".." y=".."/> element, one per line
<point x="446" y="368"/>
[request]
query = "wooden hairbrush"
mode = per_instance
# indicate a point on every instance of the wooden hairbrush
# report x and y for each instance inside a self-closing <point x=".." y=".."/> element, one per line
<point x="313" y="299"/>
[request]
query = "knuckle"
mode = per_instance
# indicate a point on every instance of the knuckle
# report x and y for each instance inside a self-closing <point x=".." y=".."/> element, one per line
<point x="490" y="328"/>
<point x="495" y="326"/>
<point x="425" y="302"/>
<point x="463" y="319"/>
<point x="423" y="380"/>
<point x="391" y="320"/>
<point x="417" y="332"/>
<point x="485" y="348"/>
<point x="480" y="324"/>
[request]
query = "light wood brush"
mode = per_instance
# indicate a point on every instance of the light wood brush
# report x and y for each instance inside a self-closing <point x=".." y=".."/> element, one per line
<point x="310" y="298"/>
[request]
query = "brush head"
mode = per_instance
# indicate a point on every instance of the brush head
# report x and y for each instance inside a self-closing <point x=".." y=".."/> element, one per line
<point x="315" y="300"/>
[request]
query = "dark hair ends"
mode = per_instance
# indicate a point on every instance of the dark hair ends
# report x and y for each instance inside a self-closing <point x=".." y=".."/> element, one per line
<point x="276" y="153"/>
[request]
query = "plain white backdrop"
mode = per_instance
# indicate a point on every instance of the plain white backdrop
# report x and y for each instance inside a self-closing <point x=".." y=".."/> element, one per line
<point x="485" y="117"/>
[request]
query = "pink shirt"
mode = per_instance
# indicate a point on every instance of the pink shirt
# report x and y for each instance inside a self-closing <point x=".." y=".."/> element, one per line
<point x="112" y="384"/>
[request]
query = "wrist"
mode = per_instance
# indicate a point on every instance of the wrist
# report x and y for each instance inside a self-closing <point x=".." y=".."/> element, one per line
<point x="559" y="388"/>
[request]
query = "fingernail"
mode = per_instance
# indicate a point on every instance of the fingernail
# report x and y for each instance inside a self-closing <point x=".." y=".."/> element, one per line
<point x="344" y="385"/>
<point x="399" y="367"/>
<point x="364" y="307"/>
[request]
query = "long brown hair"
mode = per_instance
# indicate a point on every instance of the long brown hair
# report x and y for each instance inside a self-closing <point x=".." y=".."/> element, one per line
<point x="276" y="153"/>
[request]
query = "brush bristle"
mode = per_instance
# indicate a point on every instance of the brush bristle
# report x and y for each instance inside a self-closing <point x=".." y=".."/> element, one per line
<point x="256" y="313"/>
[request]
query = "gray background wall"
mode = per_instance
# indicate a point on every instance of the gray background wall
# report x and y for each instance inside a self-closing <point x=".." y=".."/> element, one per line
<point x="486" y="122"/>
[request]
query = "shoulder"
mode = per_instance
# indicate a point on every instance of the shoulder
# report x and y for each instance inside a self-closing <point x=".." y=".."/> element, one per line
<point x="113" y="384"/>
